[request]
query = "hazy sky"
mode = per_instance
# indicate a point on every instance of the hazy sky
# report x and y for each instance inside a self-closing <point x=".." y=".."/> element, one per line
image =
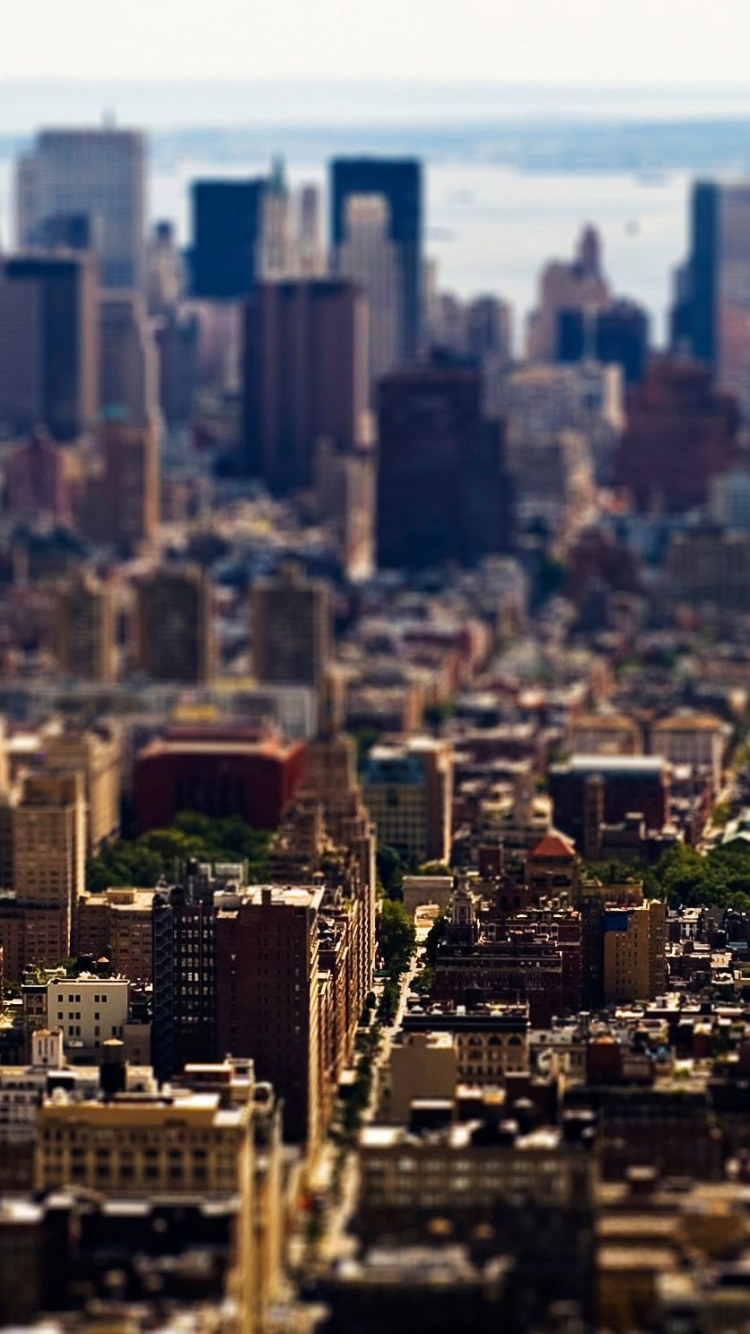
<point x="670" y="41"/>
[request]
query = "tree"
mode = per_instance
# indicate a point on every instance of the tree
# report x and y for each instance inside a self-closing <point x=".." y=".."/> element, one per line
<point x="390" y="870"/>
<point x="145" y="860"/>
<point x="397" y="936"/>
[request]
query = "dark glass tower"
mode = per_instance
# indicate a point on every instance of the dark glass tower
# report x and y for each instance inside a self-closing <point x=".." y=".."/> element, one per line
<point x="399" y="182"/>
<point x="695" y="312"/>
<point x="227" y="231"/>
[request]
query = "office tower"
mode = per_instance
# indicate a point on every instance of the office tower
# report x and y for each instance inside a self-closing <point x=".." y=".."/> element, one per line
<point x="408" y="791"/>
<point x="680" y="433"/>
<point x="711" y="320"/>
<point x="49" y="344"/>
<point x="39" y="480"/>
<point x="310" y="258"/>
<point x="305" y="376"/>
<point x="616" y="336"/>
<point x="370" y="258"/>
<point x="128" y="364"/>
<point x="399" y="183"/>
<point x="84" y="629"/>
<point x="276" y="254"/>
<point x="96" y="172"/>
<point x="291" y="628"/>
<point x="96" y="756"/>
<point x="694" y="316"/>
<point x="227" y="232"/>
<point x="173" y="624"/>
<point x="442" y="488"/>
<point x="177" y="340"/>
<point x="635" y="941"/>
<point x="49" y="852"/>
<point x="489" y="330"/>
<point x="580" y="285"/>
<point x="130" y="481"/>
<point x="267" y="984"/>
<point x="165" y="278"/>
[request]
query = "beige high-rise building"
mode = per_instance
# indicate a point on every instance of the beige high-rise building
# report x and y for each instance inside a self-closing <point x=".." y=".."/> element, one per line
<point x="84" y="629"/>
<point x="130" y="482"/>
<point x="174" y="638"/>
<point x="635" y="952"/>
<point x="49" y="851"/>
<point x="369" y="257"/>
<point x="97" y="758"/>
<point x="345" y="501"/>
<point x="291" y="629"/>
<point x="128" y="364"/>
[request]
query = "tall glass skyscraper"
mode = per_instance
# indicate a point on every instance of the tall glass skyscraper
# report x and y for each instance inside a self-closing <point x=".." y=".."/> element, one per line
<point x="711" y="319"/>
<point x="399" y="182"/>
<point x="98" y="174"/>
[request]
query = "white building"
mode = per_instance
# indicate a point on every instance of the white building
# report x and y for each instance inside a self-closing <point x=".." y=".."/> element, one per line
<point x="96" y="173"/>
<point x="88" y="1009"/>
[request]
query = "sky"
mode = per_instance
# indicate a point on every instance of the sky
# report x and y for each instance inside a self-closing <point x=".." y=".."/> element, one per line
<point x="673" y="42"/>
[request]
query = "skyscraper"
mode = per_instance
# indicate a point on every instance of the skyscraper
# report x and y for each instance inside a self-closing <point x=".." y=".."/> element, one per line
<point x="310" y="260"/>
<point x="291" y="628"/>
<point x="711" y="317"/>
<point x="49" y="850"/>
<point x="617" y="335"/>
<point x="267" y="993"/>
<point x="84" y="629"/>
<point x="370" y="258"/>
<point x="49" y="344"/>
<point x="99" y="173"/>
<point x="399" y="183"/>
<point x="173" y="625"/>
<point x="443" y="492"/>
<point x="128" y="360"/>
<point x="227" y="235"/>
<point x="305" y="375"/>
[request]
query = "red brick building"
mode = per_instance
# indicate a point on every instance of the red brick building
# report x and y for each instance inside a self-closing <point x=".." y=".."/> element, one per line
<point x="218" y="772"/>
<point x="680" y="433"/>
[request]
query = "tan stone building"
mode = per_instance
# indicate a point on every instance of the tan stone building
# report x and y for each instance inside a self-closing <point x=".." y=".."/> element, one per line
<point x="605" y="734"/>
<point x="84" y="629"/>
<point x="49" y="849"/>
<point x="97" y="757"/>
<point x="635" y="952"/>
